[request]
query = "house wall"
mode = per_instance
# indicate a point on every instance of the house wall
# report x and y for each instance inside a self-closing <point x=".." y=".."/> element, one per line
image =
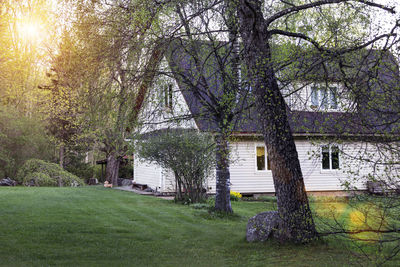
<point x="154" y="115"/>
<point x="245" y="178"/>
<point x="298" y="97"/>
<point x="147" y="173"/>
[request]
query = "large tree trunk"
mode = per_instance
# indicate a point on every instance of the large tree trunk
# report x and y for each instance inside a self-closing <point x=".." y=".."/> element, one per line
<point x="112" y="169"/>
<point x="222" y="198"/>
<point x="296" y="219"/>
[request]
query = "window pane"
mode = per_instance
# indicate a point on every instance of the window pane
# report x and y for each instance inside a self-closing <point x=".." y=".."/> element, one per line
<point x="325" y="158"/>
<point x="335" y="157"/>
<point x="314" y="97"/>
<point x="333" y="97"/>
<point x="260" y="158"/>
<point x="170" y="96"/>
<point x="324" y="98"/>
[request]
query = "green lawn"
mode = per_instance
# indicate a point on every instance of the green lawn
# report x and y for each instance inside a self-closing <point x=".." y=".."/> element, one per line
<point x="94" y="226"/>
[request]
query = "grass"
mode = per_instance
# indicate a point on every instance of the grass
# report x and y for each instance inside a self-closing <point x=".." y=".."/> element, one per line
<point x="94" y="226"/>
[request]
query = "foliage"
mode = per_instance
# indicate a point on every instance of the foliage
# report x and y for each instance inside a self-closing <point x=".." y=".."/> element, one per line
<point x="78" y="167"/>
<point x="45" y="174"/>
<point x="39" y="179"/>
<point x="116" y="42"/>
<point x="26" y="38"/>
<point x="126" y="170"/>
<point x="21" y="138"/>
<point x="189" y="154"/>
<point x="235" y="196"/>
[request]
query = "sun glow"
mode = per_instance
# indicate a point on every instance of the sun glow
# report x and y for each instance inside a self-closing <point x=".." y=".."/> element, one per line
<point x="30" y="31"/>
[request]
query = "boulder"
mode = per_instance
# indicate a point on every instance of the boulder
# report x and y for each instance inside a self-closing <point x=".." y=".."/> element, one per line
<point x="262" y="226"/>
<point x="74" y="184"/>
<point x="7" y="182"/>
<point x="126" y="182"/>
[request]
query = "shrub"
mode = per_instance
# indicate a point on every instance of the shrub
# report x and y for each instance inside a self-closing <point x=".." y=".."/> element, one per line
<point x="43" y="173"/>
<point x="189" y="154"/>
<point x="39" y="179"/>
<point x="235" y="196"/>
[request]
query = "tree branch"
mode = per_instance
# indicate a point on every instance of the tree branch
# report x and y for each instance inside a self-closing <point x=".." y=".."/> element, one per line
<point x="321" y="3"/>
<point x="329" y="51"/>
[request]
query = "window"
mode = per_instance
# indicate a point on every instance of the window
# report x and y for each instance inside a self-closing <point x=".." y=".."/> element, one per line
<point x="262" y="159"/>
<point x="330" y="157"/>
<point x="324" y="97"/>
<point x="167" y="96"/>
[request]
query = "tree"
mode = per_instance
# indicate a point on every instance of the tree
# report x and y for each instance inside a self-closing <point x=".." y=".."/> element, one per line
<point x="25" y="35"/>
<point x="189" y="154"/>
<point x="115" y="41"/>
<point x="257" y="31"/>
<point x="261" y="26"/>
<point x="212" y="80"/>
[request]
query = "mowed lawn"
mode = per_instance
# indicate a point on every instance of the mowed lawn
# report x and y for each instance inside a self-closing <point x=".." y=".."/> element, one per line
<point x="94" y="226"/>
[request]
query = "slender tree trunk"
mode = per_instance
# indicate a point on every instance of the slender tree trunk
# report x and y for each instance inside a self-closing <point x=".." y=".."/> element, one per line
<point x="222" y="198"/>
<point x="61" y="155"/>
<point x="297" y="223"/>
<point x="112" y="169"/>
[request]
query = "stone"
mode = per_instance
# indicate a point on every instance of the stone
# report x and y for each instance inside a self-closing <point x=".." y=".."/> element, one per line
<point x="126" y="182"/>
<point x="74" y="184"/>
<point x="262" y="226"/>
<point x="7" y="182"/>
<point x="31" y="183"/>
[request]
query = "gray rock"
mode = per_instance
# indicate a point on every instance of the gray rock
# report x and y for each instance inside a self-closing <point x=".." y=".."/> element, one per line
<point x="262" y="226"/>
<point x="74" y="184"/>
<point x="126" y="182"/>
<point x="31" y="183"/>
<point x="7" y="182"/>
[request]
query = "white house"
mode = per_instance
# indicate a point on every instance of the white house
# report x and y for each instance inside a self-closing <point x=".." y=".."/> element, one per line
<point x="326" y="123"/>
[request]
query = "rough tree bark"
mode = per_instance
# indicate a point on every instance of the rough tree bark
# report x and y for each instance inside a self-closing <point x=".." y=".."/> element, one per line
<point x="296" y="219"/>
<point x="222" y="196"/>
<point x="112" y="169"/>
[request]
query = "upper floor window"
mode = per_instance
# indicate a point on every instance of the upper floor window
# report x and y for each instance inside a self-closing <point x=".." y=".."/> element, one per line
<point x="324" y="97"/>
<point x="167" y="96"/>
<point x="330" y="157"/>
<point x="262" y="159"/>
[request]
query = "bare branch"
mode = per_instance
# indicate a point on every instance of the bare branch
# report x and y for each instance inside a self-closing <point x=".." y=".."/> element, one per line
<point x="321" y="3"/>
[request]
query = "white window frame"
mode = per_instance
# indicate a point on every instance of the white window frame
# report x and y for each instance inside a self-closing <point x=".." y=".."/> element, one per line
<point x="330" y="157"/>
<point x="265" y="158"/>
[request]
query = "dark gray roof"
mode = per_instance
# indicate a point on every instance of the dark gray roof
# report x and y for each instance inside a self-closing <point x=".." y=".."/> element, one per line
<point x="370" y="74"/>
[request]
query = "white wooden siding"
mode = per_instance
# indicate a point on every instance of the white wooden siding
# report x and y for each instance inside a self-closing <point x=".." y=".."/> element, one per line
<point x="147" y="173"/>
<point x="154" y="115"/>
<point x="245" y="178"/>
<point x="298" y="97"/>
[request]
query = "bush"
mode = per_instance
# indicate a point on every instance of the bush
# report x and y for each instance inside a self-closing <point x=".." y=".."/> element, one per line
<point x="39" y="179"/>
<point x="189" y="154"/>
<point x="43" y="173"/>
<point x="235" y="196"/>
